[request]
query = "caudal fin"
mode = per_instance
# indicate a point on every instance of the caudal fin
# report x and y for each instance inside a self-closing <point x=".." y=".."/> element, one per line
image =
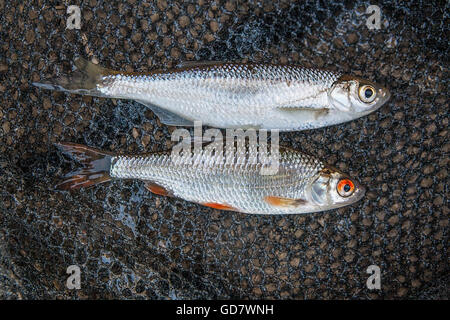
<point x="95" y="169"/>
<point x="84" y="80"/>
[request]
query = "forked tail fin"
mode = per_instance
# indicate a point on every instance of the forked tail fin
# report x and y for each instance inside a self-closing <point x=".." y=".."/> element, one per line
<point x="95" y="169"/>
<point x="82" y="81"/>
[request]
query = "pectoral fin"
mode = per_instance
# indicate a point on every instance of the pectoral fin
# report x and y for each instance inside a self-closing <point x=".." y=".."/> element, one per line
<point x="167" y="117"/>
<point x="284" y="202"/>
<point x="306" y="112"/>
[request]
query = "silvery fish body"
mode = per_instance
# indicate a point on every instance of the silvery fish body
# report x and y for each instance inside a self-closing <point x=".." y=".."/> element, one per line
<point x="301" y="183"/>
<point x="232" y="95"/>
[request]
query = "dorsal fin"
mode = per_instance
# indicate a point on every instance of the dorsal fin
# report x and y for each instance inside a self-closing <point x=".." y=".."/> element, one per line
<point x="193" y="64"/>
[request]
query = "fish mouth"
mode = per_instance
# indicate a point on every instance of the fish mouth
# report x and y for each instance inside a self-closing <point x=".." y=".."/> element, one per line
<point x="385" y="96"/>
<point x="354" y="198"/>
<point x="359" y="194"/>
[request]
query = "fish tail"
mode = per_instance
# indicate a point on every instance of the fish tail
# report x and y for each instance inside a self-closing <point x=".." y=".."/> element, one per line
<point x="95" y="168"/>
<point x="84" y="80"/>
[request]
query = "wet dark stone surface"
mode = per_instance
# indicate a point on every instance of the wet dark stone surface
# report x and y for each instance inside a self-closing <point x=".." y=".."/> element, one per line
<point x="133" y="244"/>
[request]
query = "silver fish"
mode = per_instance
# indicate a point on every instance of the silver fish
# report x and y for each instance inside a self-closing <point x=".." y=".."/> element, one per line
<point x="303" y="184"/>
<point x="234" y="95"/>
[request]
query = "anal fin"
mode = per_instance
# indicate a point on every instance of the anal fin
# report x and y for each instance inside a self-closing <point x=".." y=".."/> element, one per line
<point x="219" y="206"/>
<point x="167" y="117"/>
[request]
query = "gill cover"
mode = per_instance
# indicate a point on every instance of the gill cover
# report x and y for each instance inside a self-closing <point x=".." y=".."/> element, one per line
<point x="357" y="95"/>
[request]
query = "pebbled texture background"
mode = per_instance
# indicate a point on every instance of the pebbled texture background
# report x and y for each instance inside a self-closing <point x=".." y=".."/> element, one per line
<point x="130" y="243"/>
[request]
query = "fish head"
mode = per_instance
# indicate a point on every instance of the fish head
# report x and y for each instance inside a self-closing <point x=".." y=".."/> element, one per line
<point x="332" y="189"/>
<point x="356" y="97"/>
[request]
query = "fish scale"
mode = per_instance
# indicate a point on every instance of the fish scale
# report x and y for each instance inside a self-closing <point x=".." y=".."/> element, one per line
<point x="302" y="183"/>
<point x="230" y="95"/>
<point x="237" y="185"/>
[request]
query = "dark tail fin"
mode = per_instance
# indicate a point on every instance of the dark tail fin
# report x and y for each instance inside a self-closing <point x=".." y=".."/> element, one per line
<point x="82" y="81"/>
<point x="95" y="170"/>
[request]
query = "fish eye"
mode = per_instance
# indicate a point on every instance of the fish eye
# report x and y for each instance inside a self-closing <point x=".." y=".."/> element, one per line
<point x="345" y="187"/>
<point x="367" y="93"/>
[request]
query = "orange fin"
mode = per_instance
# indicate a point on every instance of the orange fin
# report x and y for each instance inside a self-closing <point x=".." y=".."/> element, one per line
<point x="157" y="189"/>
<point x="219" y="206"/>
<point x="284" y="202"/>
<point x="95" y="169"/>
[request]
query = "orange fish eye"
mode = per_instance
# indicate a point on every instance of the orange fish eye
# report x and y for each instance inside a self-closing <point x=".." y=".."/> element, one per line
<point x="345" y="187"/>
